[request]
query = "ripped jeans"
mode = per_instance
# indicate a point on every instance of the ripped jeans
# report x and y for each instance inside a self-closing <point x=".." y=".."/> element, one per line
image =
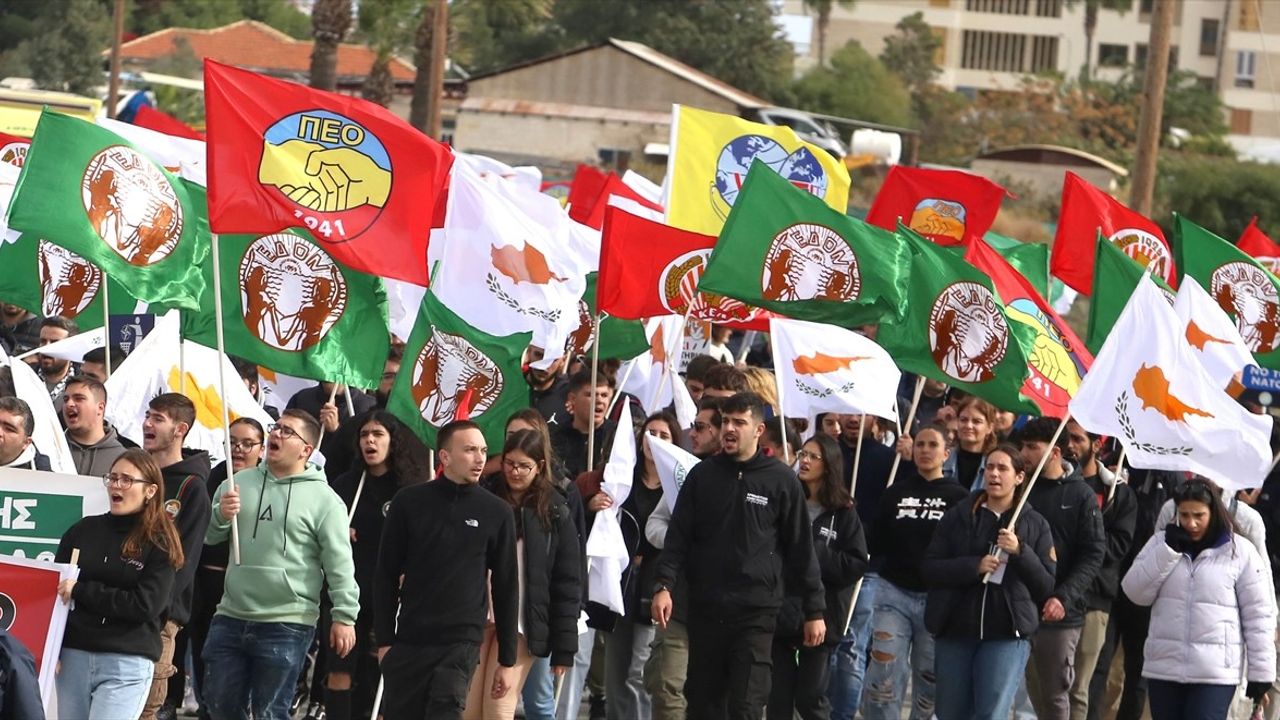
<point x="901" y="650"/>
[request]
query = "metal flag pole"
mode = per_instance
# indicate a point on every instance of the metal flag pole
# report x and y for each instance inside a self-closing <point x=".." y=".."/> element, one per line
<point x="906" y="427"/>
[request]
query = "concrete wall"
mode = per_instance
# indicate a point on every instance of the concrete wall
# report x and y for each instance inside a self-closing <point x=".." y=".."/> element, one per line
<point x="1045" y="180"/>
<point x="560" y="138"/>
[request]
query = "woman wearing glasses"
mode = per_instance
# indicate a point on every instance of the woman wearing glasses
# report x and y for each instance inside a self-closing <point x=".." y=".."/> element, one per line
<point x="799" y="672"/>
<point x="548" y="556"/>
<point x="127" y="559"/>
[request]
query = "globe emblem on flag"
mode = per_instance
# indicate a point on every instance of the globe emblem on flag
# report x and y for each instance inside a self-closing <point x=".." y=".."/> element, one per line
<point x="968" y="334"/>
<point x="67" y="282"/>
<point x="333" y="172"/>
<point x="937" y="218"/>
<point x="450" y="371"/>
<point x="810" y="262"/>
<point x="8" y="612"/>
<point x="14" y="153"/>
<point x="801" y="168"/>
<point x="678" y="287"/>
<point x="291" y="292"/>
<point x="131" y="205"/>
<point x="1146" y="249"/>
<point x="1246" y="293"/>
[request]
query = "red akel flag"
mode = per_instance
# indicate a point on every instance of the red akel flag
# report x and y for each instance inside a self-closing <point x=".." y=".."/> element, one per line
<point x="1086" y="211"/>
<point x="587" y="183"/>
<point x="648" y="269"/>
<point x="363" y="181"/>
<point x="1058" y="359"/>
<point x="1255" y="243"/>
<point x="160" y="121"/>
<point x="13" y="149"/>
<point x="615" y="187"/>
<point x="950" y="207"/>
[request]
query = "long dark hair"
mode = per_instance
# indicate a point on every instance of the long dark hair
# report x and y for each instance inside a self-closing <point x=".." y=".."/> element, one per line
<point x="538" y="496"/>
<point x="1201" y="490"/>
<point x="832" y="494"/>
<point x="400" y="456"/>
<point x="533" y="417"/>
<point x="155" y="526"/>
<point x="1016" y="462"/>
<point x="677" y="435"/>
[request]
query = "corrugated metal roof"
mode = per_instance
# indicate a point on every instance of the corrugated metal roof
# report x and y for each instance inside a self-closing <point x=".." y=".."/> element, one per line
<point x="579" y="112"/>
<point x="1074" y="152"/>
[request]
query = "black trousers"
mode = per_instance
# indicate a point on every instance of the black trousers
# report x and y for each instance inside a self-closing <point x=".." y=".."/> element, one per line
<point x="428" y="682"/>
<point x="729" y="667"/>
<point x="799" y="681"/>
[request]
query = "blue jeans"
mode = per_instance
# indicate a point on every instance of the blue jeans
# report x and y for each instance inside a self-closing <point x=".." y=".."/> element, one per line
<point x="978" y="678"/>
<point x="576" y="678"/>
<point x="102" y="686"/>
<point x="901" y="650"/>
<point x="1181" y="701"/>
<point x="539" y="693"/>
<point x="252" y="666"/>
<point x="849" y="661"/>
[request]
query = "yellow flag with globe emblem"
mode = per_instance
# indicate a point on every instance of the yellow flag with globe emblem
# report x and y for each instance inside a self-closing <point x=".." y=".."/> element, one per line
<point x="711" y="154"/>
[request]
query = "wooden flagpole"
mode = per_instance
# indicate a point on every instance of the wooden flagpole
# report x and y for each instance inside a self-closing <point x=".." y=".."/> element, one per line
<point x="595" y="378"/>
<point x="1111" y="493"/>
<point x="782" y="416"/>
<point x="623" y="381"/>
<point x="106" y="326"/>
<point x="333" y="394"/>
<point x="351" y="514"/>
<point x="222" y="390"/>
<point x="906" y="427"/>
<point x="853" y="486"/>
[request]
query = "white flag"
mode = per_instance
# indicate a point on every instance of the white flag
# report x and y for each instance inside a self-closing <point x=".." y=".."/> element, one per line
<point x="152" y="369"/>
<point x="607" y="554"/>
<point x="823" y="368"/>
<point x="643" y="374"/>
<point x="71" y="348"/>
<point x="183" y="157"/>
<point x="524" y="176"/>
<point x="673" y="464"/>
<point x="1211" y="333"/>
<point x="1148" y="388"/>
<point x="47" y="438"/>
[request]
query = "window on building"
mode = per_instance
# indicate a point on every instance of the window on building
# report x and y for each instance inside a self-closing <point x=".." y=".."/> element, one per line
<point x="1246" y="65"/>
<point x="1140" y="57"/>
<point x="615" y="159"/>
<point x="1113" y="55"/>
<point x="1144" y="7"/>
<point x="1241" y="121"/>
<point x="1008" y="52"/>
<point x="1208" y="37"/>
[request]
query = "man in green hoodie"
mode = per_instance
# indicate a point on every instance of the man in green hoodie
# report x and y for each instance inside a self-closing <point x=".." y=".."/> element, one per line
<point x="293" y="539"/>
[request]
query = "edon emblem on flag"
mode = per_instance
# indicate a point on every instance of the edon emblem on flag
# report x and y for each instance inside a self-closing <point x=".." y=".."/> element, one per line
<point x="800" y="168"/>
<point x="291" y="293"/>
<point x="968" y="335"/>
<point x="935" y="216"/>
<point x="131" y="205"/>
<point x="1245" y="293"/>
<point x="335" y="172"/>
<point x="67" y="282"/>
<point x="1147" y="249"/>
<point x="678" y="286"/>
<point x="810" y="262"/>
<point x="585" y="335"/>
<point x="14" y="153"/>
<point x="446" y="370"/>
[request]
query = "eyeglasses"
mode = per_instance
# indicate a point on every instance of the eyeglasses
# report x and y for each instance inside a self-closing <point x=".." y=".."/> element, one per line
<point x="810" y="456"/>
<point x="124" y="482"/>
<point x="284" y="431"/>
<point x="702" y="427"/>
<point x="245" y="445"/>
<point x="519" y="468"/>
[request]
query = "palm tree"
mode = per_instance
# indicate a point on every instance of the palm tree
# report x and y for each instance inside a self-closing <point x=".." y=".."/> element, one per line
<point x="330" y="21"/>
<point x="387" y="27"/>
<point x="823" y="8"/>
<point x="1091" y="9"/>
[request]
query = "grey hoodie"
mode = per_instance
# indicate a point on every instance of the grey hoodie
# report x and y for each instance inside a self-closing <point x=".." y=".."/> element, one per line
<point x="95" y="460"/>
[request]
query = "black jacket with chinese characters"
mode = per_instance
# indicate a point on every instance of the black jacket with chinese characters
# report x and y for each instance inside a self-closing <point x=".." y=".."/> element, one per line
<point x="908" y="513"/>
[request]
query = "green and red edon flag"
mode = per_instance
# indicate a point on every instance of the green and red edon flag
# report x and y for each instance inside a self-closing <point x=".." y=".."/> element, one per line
<point x="448" y="362"/>
<point x="1030" y="259"/>
<point x="289" y="306"/>
<point x="619" y="338"/>
<point x="949" y="207"/>
<point x="1115" y="275"/>
<point x="1086" y="211"/>
<point x="48" y="280"/>
<point x="1239" y="284"/>
<point x="13" y="149"/>
<point x="1058" y="360"/>
<point x="362" y="180"/>
<point x="785" y="250"/>
<point x="648" y="269"/>
<point x="100" y="197"/>
<point x="956" y="330"/>
<point x="1253" y="242"/>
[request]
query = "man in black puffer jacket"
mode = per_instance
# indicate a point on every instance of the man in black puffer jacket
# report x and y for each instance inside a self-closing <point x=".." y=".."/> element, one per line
<point x="741" y="533"/>
<point x="1071" y="508"/>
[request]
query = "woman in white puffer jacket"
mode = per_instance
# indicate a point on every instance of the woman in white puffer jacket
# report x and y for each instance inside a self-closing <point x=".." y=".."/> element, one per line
<point x="1212" y="613"/>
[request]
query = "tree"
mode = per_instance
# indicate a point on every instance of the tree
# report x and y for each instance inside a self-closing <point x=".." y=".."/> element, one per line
<point x="856" y="85"/>
<point x="330" y="21"/>
<point x="387" y="27"/>
<point x="147" y="16"/>
<point x="1091" y="9"/>
<point x="910" y="53"/>
<point x="823" y="8"/>
<point x="64" y="55"/>
<point x="492" y="34"/>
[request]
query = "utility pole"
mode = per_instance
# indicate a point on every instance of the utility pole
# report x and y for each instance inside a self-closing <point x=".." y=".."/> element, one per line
<point x="113" y="85"/>
<point x="1144" y="164"/>
<point x="439" y="46"/>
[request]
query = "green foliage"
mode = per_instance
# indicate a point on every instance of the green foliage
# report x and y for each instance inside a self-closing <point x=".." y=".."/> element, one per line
<point x="147" y="16"/>
<point x="909" y="53"/>
<point x="64" y="55"/>
<point x="1218" y="195"/>
<point x="492" y="34"/>
<point x="855" y="85"/>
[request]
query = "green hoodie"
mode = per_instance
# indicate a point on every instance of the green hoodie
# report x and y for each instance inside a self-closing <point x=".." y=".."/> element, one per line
<point x="293" y="537"/>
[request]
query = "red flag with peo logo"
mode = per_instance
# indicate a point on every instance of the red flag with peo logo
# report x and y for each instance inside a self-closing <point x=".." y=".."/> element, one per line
<point x="1086" y="211"/>
<point x="1255" y="243"/>
<point x="950" y="207"/>
<point x="361" y="180"/>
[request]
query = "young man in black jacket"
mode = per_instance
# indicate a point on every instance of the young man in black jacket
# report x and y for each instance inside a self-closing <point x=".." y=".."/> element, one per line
<point x="1071" y="508"/>
<point x="440" y="542"/>
<point x="741" y="534"/>
<point x="168" y="420"/>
